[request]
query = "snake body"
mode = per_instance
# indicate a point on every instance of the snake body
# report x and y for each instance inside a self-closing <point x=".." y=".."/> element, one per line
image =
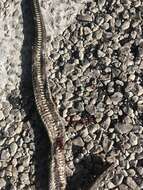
<point x="45" y="105"/>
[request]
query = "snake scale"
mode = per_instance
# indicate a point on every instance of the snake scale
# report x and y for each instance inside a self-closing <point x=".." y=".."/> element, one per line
<point x="45" y="105"/>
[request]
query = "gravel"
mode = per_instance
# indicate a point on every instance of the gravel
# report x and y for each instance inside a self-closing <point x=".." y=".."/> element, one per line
<point x="95" y="75"/>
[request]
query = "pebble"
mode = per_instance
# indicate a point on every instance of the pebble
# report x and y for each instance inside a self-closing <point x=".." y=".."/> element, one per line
<point x="85" y="18"/>
<point x="123" y="187"/>
<point x="132" y="172"/>
<point x="132" y="184"/>
<point x="125" y="25"/>
<point x="118" y="179"/>
<point x="1" y="115"/>
<point x="101" y="3"/>
<point x="111" y="185"/>
<point x="84" y="132"/>
<point x="140" y="170"/>
<point x="116" y="98"/>
<point x="107" y="123"/>
<point x="5" y="155"/>
<point x="2" y="183"/>
<point x="133" y="139"/>
<point x="99" y="116"/>
<point x="13" y="148"/>
<point x="90" y="145"/>
<point x="78" y="142"/>
<point x="124" y="128"/>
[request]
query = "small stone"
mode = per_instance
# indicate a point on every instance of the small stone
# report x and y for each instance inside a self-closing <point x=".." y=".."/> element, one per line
<point x="140" y="91"/>
<point x="123" y="187"/>
<point x="90" y="145"/>
<point x="118" y="179"/>
<point x="85" y="18"/>
<point x="78" y="142"/>
<point x="87" y="139"/>
<point x="93" y="128"/>
<point x="84" y="132"/>
<point x="2" y="183"/>
<point x="131" y="183"/>
<point x="25" y="178"/>
<point x="26" y="161"/>
<point x="116" y="98"/>
<point x="131" y="172"/>
<point x="107" y="144"/>
<point x="123" y="128"/>
<point x="133" y="139"/>
<point x="2" y="173"/>
<point x="1" y="115"/>
<point x="101" y="3"/>
<point x="98" y="116"/>
<point x="68" y="68"/>
<point x="14" y="162"/>
<point x="87" y="30"/>
<point x="5" y="155"/>
<point x="20" y="169"/>
<point x="98" y="34"/>
<point x="13" y="148"/>
<point x="107" y="123"/>
<point x="78" y="127"/>
<point x="125" y="25"/>
<point x="132" y="77"/>
<point x="140" y="170"/>
<point x="111" y="185"/>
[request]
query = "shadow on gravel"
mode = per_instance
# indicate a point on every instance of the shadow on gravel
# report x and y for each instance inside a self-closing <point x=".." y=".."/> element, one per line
<point x="41" y="155"/>
<point x="87" y="171"/>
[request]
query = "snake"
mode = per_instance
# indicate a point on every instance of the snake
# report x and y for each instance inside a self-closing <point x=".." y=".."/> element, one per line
<point x="47" y="108"/>
<point x="45" y="105"/>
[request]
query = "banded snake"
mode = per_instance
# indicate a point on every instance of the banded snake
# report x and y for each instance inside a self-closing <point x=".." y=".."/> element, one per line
<point x="45" y="104"/>
<point x="47" y="109"/>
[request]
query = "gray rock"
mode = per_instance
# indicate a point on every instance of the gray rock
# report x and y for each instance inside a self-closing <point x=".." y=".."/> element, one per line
<point x="131" y="183"/>
<point x="111" y="185"/>
<point x="1" y="115"/>
<point x="20" y="169"/>
<point x="98" y="34"/>
<point x="132" y="172"/>
<point x="2" y="183"/>
<point x="133" y="139"/>
<point x="85" y="18"/>
<point x="26" y="161"/>
<point x="84" y="132"/>
<point x="87" y="139"/>
<point x="124" y="128"/>
<point x="101" y="3"/>
<point x="78" y="127"/>
<point x="68" y="68"/>
<point x="90" y="145"/>
<point x="140" y="170"/>
<point x="24" y="178"/>
<point x="87" y="30"/>
<point x="5" y="155"/>
<point x="107" y="123"/>
<point x="99" y="116"/>
<point x="107" y="144"/>
<point x="13" y="148"/>
<point x="116" y="98"/>
<point x="78" y="142"/>
<point x="93" y="128"/>
<point x="123" y="187"/>
<point x="125" y="25"/>
<point x="118" y="179"/>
